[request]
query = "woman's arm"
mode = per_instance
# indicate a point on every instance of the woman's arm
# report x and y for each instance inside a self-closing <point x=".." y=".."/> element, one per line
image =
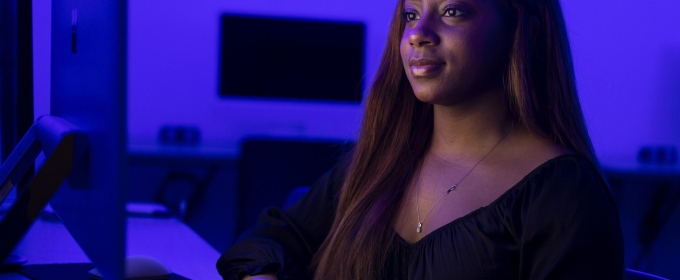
<point x="284" y="241"/>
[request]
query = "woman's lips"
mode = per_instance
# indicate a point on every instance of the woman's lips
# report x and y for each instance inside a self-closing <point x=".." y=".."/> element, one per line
<point x="423" y="67"/>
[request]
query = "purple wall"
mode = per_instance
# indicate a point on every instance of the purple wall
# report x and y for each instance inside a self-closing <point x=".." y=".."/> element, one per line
<point x="627" y="58"/>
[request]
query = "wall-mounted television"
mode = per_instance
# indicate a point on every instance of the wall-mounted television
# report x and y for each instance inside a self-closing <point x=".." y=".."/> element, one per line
<point x="279" y="58"/>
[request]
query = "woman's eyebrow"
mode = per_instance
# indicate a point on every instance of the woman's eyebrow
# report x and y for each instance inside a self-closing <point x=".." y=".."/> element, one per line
<point x="413" y="2"/>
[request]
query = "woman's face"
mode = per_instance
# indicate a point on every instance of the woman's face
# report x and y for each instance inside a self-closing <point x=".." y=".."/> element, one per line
<point x="453" y="50"/>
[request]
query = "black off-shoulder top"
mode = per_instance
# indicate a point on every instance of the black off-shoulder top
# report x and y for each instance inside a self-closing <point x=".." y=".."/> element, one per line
<point x="559" y="222"/>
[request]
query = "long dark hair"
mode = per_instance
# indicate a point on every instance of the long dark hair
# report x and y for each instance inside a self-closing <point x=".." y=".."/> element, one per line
<point x="541" y="94"/>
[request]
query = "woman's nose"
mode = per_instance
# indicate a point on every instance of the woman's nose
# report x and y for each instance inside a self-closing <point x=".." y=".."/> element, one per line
<point x="423" y="33"/>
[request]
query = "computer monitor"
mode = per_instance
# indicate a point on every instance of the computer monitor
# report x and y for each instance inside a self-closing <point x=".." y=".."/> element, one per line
<point x="89" y="90"/>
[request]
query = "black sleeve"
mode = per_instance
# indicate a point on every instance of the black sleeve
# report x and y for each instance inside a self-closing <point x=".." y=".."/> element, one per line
<point x="284" y="241"/>
<point x="571" y="227"/>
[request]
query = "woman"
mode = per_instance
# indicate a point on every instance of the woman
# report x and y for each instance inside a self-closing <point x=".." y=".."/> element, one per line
<point x="473" y="162"/>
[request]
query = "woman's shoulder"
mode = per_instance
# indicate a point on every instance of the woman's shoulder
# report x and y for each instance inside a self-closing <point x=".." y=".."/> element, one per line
<point x="534" y="165"/>
<point x="567" y="191"/>
<point x="565" y="208"/>
<point x="569" y="173"/>
<point x="564" y="187"/>
<point x="568" y="169"/>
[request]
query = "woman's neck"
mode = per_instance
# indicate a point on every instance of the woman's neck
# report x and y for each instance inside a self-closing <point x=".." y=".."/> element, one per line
<point x="464" y="131"/>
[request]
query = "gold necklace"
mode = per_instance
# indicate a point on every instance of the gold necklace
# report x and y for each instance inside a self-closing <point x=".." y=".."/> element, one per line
<point x="451" y="188"/>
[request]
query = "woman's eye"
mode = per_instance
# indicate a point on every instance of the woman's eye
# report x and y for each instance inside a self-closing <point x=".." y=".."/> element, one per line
<point x="410" y="16"/>
<point x="453" y="12"/>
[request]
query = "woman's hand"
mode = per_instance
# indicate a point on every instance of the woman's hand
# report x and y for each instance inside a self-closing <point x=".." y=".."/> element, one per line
<point x="268" y="276"/>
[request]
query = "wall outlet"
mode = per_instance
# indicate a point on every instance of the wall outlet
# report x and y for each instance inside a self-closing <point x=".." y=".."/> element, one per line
<point x="179" y="135"/>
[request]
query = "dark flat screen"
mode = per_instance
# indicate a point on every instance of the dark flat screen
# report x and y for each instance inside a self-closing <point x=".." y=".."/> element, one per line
<point x="291" y="59"/>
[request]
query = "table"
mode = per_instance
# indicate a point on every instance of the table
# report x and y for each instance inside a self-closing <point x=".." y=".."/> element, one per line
<point x="165" y="238"/>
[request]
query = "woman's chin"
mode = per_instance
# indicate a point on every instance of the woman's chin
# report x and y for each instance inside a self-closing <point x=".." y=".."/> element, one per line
<point x="432" y="97"/>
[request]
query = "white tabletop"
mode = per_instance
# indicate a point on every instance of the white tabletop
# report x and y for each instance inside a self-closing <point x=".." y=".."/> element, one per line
<point x="167" y="239"/>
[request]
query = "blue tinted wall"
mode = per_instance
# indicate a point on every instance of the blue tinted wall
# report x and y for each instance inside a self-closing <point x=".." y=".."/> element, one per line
<point x="627" y="58"/>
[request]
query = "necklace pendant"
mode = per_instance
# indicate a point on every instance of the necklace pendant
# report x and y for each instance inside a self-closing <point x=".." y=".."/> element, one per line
<point x="420" y="227"/>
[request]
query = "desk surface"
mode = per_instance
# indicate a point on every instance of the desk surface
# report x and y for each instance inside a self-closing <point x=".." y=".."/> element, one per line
<point x="630" y="167"/>
<point x="167" y="239"/>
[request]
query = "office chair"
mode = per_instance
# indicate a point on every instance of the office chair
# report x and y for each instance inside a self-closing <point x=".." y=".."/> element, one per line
<point x="270" y="168"/>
